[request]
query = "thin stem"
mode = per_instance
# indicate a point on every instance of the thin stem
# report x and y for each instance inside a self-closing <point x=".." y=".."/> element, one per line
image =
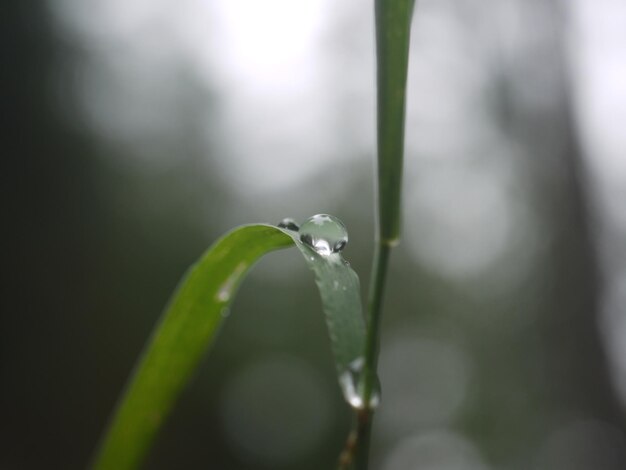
<point x="346" y="458"/>
<point x="376" y="292"/>
<point x="356" y="449"/>
<point x="364" y="431"/>
<point x="393" y="25"/>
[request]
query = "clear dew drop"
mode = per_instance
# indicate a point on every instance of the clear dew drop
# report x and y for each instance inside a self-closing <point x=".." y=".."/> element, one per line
<point x="325" y="233"/>
<point x="351" y="382"/>
<point x="223" y="295"/>
<point x="289" y="224"/>
<point x="226" y="290"/>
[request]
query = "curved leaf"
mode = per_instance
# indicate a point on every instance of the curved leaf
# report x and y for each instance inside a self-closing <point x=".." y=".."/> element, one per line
<point x="341" y="300"/>
<point x="179" y="341"/>
<point x="191" y="320"/>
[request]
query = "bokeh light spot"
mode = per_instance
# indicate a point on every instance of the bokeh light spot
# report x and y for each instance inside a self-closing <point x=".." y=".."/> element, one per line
<point x="275" y="411"/>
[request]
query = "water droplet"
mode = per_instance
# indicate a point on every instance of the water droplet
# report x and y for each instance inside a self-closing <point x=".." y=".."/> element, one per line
<point x="352" y="384"/>
<point x="223" y="295"/>
<point x="227" y="288"/>
<point x="289" y="224"/>
<point x="324" y="233"/>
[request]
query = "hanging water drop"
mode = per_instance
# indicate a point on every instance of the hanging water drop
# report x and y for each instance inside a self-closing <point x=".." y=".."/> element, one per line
<point x="289" y="224"/>
<point x="352" y="384"/>
<point x="325" y="233"/>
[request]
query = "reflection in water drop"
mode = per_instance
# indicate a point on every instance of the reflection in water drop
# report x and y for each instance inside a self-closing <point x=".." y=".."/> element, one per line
<point x="289" y="224"/>
<point x="351" y="382"/>
<point x="325" y="233"/>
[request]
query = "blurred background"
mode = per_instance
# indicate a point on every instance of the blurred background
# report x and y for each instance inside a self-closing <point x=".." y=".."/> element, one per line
<point x="136" y="133"/>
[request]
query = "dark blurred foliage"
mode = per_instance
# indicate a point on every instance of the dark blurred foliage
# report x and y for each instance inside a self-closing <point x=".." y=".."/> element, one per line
<point x="94" y="246"/>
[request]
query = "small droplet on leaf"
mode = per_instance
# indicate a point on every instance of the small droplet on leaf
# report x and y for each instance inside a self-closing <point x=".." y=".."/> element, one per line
<point x="289" y="224"/>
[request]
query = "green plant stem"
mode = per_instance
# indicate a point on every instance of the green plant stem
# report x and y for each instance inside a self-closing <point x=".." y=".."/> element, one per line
<point x="364" y="430"/>
<point x="364" y="417"/>
<point x="356" y="449"/>
<point x="377" y="290"/>
<point x="393" y="25"/>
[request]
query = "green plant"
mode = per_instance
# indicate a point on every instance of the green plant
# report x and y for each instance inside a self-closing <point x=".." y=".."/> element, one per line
<point x="199" y="305"/>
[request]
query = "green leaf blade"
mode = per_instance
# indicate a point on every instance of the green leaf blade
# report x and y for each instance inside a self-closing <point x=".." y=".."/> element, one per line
<point x="192" y="318"/>
<point x="180" y="340"/>
<point x="340" y="292"/>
